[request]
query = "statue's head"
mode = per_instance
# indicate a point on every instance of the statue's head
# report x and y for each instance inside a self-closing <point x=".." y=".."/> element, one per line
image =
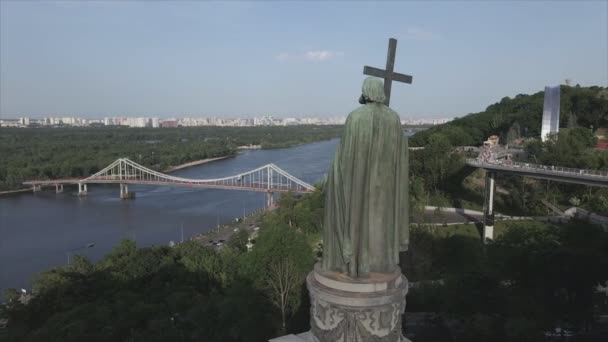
<point x="373" y="91"/>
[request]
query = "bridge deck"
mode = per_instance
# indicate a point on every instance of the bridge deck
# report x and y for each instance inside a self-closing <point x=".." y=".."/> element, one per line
<point x="260" y="188"/>
<point x="267" y="178"/>
<point x="557" y="173"/>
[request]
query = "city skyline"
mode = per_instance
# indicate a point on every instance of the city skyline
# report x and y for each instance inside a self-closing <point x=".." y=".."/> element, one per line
<point x="93" y="59"/>
<point x="155" y="122"/>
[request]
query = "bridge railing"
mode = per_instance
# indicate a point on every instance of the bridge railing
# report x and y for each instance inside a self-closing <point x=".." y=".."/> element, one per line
<point x="48" y="180"/>
<point x="538" y="167"/>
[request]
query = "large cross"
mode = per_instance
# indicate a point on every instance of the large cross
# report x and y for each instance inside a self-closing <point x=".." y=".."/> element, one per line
<point x="388" y="74"/>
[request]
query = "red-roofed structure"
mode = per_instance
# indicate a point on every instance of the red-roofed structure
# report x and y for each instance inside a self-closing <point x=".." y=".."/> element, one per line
<point x="602" y="145"/>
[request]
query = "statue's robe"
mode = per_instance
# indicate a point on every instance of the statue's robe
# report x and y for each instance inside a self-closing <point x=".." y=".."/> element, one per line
<point x="366" y="204"/>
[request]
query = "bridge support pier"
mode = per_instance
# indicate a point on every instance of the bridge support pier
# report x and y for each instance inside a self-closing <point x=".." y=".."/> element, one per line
<point x="269" y="199"/>
<point x="488" y="206"/>
<point x="124" y="192"/>
<point x="82" y="189"/>
<point x="58" y="188"/>
<point x="36" y="188"/>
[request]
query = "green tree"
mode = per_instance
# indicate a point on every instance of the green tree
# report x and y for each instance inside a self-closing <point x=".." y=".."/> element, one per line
<point x="279" y="263"/>
<point x="239" y="240"/>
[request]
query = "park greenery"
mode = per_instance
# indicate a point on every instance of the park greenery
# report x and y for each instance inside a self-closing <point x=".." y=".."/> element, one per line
<point x="440" y="176"/>
<point x="533" y="278"/>
<point x="521" y="116"/>
<point x="46" y="153"/>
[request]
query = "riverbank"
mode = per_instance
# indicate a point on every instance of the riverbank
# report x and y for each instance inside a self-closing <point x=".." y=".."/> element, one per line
<point x="249" y="147"/>
<point x="218" y="236"/>
<point x="10" y="192"/>
<point x="290" y="144"/>
<point x="195" y="163"/>
<point x="244" y="147"/>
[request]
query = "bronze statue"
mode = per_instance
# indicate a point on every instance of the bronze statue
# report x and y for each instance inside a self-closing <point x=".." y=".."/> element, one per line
<point x="366" y="204"/>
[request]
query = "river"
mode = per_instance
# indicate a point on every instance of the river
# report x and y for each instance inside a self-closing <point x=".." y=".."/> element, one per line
<point x="42" y="230"/>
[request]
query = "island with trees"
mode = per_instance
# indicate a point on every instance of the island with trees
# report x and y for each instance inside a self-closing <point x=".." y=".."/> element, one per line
<point x="47" y="153"/>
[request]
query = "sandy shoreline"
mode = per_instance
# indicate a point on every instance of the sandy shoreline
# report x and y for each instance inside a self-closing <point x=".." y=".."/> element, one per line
<point x="194" y="163"/>
<point x="249" y="147"/>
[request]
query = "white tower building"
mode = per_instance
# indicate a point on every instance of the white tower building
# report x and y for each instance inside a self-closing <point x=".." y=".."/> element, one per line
<point x="550" y="123"/>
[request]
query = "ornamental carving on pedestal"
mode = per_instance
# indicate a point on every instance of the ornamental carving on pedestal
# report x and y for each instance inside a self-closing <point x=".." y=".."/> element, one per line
<point x="340" y="323"/>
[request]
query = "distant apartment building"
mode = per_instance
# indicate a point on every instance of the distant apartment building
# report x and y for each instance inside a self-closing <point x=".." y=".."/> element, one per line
<point x="168" y="123"/>
<point x="263" y="121"/>
<point x="68" y="121"/>
<point x="290" y="121"/>
<point x="10" y="123"/>
<point x="25" y="121"/>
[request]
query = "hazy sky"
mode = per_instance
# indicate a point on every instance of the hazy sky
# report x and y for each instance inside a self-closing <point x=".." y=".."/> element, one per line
<point x="95" y="59"/>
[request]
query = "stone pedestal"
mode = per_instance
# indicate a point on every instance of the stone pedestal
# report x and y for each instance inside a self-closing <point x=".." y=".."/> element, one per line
<point x="348" y="310"/>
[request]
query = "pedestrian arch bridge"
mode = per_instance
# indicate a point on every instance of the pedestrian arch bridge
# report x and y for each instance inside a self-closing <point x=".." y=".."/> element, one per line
<point x="268" y="178"/>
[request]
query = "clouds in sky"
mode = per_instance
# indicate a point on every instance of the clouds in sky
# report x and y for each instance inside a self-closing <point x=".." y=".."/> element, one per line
<point x="322" y="55"/>
<point x="309" y="55"/>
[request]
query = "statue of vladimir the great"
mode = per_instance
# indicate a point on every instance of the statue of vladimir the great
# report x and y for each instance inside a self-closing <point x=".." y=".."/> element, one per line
<point x="366" y="204"/>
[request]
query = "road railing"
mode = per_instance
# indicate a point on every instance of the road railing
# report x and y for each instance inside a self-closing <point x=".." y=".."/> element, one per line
<point x="506" y="164"/>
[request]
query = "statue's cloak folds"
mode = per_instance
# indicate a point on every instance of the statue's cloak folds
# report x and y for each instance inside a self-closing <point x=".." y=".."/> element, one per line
<point x="366" y="204"/>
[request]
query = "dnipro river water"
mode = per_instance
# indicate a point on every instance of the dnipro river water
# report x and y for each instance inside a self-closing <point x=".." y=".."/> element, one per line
<point x="38" y="231"/>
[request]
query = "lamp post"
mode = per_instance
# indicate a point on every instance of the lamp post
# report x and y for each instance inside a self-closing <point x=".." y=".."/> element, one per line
<point x="219" y="213"/>
<point x="244" y="215"/>
<point x="535" y="160"/>
<point x="77" y="249"/>
<point x="218" y="217"/>
<point x="182" y="231"/>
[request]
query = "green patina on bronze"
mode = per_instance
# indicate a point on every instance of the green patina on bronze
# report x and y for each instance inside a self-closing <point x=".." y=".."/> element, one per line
<point x="366" y="206"/>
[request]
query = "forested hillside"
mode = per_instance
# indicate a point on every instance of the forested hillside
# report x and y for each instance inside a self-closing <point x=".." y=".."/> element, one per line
<point x="585" y="107"/>
<point x="439" y="175"/>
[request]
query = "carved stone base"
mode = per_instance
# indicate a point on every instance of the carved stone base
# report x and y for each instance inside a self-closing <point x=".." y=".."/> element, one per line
<point x="356" y="310"/>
